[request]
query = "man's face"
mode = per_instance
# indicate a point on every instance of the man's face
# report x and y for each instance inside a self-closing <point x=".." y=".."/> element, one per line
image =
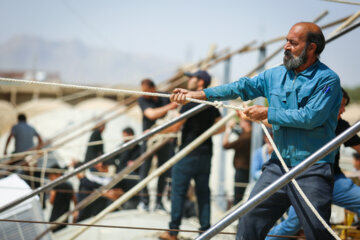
<point x="342" y="107"/>
<point x="192" y="83"/>
<point x="295" y="48"/>
<point x="147" y="88"/>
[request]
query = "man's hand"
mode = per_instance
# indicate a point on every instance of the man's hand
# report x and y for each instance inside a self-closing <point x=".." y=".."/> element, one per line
<point x="179" y="95"/>
<point x="75" y="216"/>
<point x="256" y="113"/>
<point x="173" y="105"/>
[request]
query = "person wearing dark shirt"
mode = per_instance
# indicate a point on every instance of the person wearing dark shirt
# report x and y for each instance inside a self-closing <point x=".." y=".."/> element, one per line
<point x="197" y="164"/>
<point x="124" y="160"/>
<point x="90" y="182"/>
<point x="154" y="108"/>
<point x="241" y="158"/>
<point x="345" y="193"/>
<point x="95" y="151"/>
<point x="60" y="197"/>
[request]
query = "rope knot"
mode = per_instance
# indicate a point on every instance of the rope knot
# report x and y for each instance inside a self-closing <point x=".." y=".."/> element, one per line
<point x="218" y="104"/>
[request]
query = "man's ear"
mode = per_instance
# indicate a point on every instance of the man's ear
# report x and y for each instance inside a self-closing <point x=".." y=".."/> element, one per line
<point x="201" y="83"/>
<point x="312" y="47"/>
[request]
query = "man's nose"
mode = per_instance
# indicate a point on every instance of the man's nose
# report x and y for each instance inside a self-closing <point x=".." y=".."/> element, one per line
<point x="287" y="46"/>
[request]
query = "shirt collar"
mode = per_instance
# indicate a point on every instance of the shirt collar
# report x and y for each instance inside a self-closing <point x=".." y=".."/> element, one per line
<point x="309" y="71"/>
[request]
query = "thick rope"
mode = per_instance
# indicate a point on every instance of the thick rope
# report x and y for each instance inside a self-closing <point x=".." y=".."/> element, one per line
<point x="117" y="91"/>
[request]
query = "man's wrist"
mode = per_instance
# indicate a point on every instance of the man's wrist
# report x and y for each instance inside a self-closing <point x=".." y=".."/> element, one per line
<point x="199" y="95"/>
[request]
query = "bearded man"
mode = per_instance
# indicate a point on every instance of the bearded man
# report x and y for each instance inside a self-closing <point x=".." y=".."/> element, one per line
<point x="304" y="97"/>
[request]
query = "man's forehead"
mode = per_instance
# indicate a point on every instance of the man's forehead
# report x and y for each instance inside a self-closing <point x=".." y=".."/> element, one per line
<point x="297" y="32"/>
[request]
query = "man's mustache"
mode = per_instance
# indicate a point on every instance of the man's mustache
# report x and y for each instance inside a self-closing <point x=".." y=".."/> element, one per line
<point x="288" y="53"/>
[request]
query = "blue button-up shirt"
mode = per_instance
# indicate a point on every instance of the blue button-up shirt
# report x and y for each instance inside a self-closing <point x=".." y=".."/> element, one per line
<point x="303" y="107"/>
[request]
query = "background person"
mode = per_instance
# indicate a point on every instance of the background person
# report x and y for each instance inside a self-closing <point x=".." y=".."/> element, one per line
<point x="24" y="135"/>
<point x="241" y="160"/>
<point x="154" y="108"/>
<point x="60" y="197"/>
<point x="197" y="164"/>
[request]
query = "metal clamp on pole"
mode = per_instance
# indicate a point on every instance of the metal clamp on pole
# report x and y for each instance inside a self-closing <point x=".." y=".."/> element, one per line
<point x="282" y="181"/>
<point x="105" y="156"/>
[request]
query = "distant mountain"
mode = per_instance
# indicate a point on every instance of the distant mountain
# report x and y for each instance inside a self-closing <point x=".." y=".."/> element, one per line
<point x="78" y="63"/>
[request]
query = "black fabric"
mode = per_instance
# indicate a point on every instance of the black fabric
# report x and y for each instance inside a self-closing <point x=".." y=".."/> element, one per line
<point x="241" y="176"/>
<point x="342" y="125"/>
<point x="196" y="125"/>
<point x="163" y="154"/>
<point x="62" y="202"/>
<point x="95" y="207"/>
<point x="145" y="103"/>
<point x="95" y="150"/>
<point x="121" y="160"/>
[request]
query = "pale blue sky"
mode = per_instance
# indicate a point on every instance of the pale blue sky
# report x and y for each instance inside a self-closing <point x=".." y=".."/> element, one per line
<point x="180" y="30"/>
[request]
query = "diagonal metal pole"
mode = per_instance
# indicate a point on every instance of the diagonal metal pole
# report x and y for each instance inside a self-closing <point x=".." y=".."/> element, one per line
<point x="105" y="157"/>
<point x="282" y="181"/>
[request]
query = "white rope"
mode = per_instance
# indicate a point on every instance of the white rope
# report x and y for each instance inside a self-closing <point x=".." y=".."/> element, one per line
<point x="302" y="194"/>
<point x="117" y="91"/>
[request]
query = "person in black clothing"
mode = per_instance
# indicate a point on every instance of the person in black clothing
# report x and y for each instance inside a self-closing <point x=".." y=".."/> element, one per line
<point x="60" y="197"/>
<point x="95" y="150"/>
<point x="89" y="182"/>
<point x="154" y="108"/>
<point x="124" y="160"/>
<point x="197" y="164"/>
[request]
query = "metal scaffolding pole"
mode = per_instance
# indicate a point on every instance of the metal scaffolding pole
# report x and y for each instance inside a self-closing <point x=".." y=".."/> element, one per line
<point x="282" y="181"/>
<point x="106" y="156"/>
<point x="221" y="198"/>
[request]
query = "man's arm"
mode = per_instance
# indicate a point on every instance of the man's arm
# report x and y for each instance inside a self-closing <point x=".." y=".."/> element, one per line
<point x="246" y="88"/>
<point x="323" y="102"/>
<point x="155" y="113"/>
<point x="7" y="142"/>
<point x="40" y="141"/>
<point x="52" y="196"/>
<point x="175" y="127"/>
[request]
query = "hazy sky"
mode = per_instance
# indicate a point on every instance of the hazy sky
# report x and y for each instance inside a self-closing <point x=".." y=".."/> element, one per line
<point x="181" y="30"/>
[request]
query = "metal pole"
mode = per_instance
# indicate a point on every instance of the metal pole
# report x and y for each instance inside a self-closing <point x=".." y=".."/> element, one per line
<point x="221" y="199"/>
<point x="346" y="30"/>
<point x="256" y="132"/>
<point x="282" y="181"/>
<point x="105" y="156"/>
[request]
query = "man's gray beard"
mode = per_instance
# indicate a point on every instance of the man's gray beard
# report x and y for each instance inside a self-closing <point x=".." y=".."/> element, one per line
<point x="294" y="62"/>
